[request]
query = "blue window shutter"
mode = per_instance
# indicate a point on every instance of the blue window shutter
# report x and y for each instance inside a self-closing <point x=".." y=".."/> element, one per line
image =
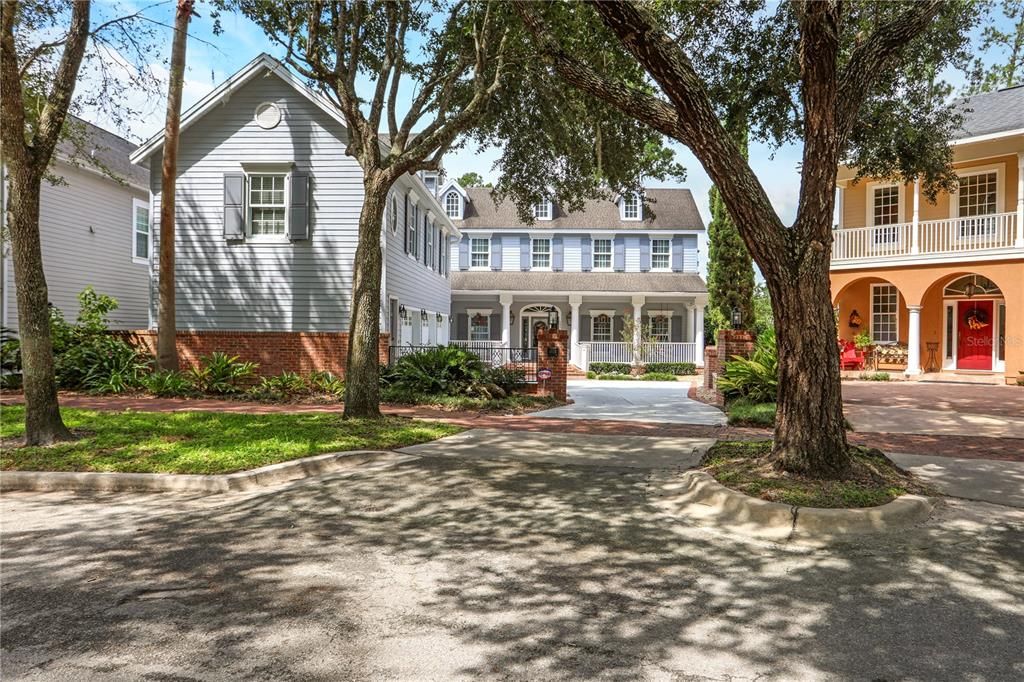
<point x="298" y="210"/>
<point x="406" y="224"/>
<point x="677" y="254"/>
<point x="587" y="254"/>
<point x="676" y="329"/>
<point x="645" y="253"/>
<point x="524" y="253"/>
<point x="619" y="254"/>
<point x="495" y="326"/>
<point x="557" y="254"/>
<point x="496" y="253"/>
<point x="234" y="206"/>
<point x="464" y="253"/>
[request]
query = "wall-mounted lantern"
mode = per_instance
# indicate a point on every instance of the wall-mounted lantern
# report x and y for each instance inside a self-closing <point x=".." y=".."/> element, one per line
<point x="440" y="318"/>
<point x="402" y="312"/>
<point x="737" y="318"/>
<point x="553" y="319"/>
<point x="424" y="315"/>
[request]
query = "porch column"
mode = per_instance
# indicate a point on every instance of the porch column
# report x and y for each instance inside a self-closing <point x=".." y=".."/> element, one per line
<point x="638" y="323"/>
<point x="1019" y="242"/>
<point x="506" y="323"/>
<point x="698" y="331"/>
<point x="840" y="205"/>
<point x="574" y="329"/>
<point x="915" y="244"/>
<point x="914" y="341"/>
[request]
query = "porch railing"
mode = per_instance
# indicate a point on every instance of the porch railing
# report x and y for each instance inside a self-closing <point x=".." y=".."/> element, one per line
<point x="617" y="351"/>
<point x="953" y="235"/>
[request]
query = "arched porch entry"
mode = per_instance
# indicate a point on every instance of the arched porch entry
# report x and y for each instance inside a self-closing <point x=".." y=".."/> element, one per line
<point x="971" y="313"/>
<point x="534" y="318"/>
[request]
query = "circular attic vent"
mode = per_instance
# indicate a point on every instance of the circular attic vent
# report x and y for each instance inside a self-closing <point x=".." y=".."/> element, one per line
<point x="268" y="115"/>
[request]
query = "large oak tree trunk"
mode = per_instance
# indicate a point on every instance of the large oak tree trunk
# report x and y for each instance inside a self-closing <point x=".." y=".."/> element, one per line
<point x="166" y="340"/>
<point x="362" y="374"/>
<point x="43" y="423"/>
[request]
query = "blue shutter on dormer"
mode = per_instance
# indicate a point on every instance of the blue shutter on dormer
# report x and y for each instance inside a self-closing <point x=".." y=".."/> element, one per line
<point x="677" y="254"/>
<point x="587" y="254"/>
<point x="557" y="254"/>
<point x="464" y="253"/>
<point x="496" y="253"/>
<point x="524" y="253"/>
<point x="645" y="253"/>
<point x="619" y="254"/>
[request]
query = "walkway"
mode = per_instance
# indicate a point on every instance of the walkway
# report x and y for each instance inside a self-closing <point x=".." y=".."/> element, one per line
<point x="639" y="401"/>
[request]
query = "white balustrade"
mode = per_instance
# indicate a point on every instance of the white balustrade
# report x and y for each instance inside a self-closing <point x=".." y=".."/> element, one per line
<point x="613" y="351"/>
<point x="935" y="237"/>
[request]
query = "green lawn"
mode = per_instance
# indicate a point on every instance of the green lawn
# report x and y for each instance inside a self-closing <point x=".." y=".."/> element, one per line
<point x="201" y="442"/>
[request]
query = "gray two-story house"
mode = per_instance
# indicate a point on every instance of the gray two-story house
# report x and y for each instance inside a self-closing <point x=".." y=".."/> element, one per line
<point x="617" y="266"/>
<point x="267" y="216"/>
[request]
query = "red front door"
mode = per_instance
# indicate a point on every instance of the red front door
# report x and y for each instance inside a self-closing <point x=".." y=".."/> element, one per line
<point x="975" y="334"/>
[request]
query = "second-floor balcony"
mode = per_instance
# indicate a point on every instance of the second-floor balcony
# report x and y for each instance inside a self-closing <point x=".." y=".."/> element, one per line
<point x="926" y="239"/>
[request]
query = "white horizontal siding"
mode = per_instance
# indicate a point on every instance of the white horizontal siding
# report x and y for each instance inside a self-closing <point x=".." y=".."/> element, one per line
<point x="572" y="254"/>
<point x="632" y="254"/>
<point x="510" y="252"/>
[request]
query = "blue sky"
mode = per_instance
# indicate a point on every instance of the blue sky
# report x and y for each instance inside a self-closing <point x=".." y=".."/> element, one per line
<point x="212" y="59"/>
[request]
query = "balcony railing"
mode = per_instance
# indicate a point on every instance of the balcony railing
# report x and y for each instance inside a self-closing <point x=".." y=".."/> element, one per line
<point x="933" y="237"/>
<point x="617" y="351"/>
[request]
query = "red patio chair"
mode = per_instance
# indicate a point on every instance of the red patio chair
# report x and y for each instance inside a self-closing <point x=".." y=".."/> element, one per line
<point x="851" y="357"/>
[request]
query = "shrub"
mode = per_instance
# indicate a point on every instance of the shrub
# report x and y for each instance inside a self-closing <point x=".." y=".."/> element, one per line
<point x="167" y="383"/>
<point x="505" y="378"/>
<point x="284" y="386"/>
<point x="445" y="370"/>
<point x="220" y="373"/>
<point x="617" y="377"/>
<point x="657" y="376"/>
<point x="611" y="367"/>
<point x="111" y="365"/>
<point x="10" y="359"/>
<point x="755" y="378"/>
<point x="327" y="382"/>
<point x="874" y="376"/>
<point x="591" y="374"/>
<point x="676" y="368"/>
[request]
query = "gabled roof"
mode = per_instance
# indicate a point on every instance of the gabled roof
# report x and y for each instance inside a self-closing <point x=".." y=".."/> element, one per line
<point x="669" y="209"/>
<point x="452" y="184"/>
<point x="257" y="66"/>
<point x="990" y="113"/>
<point x="110" y="151"/>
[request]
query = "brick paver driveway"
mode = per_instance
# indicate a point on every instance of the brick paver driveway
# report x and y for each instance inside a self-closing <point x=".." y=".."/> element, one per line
<point x="1007" y="401"/>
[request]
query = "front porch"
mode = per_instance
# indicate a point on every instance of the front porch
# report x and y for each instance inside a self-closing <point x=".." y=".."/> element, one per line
<point x="619" y="328"/>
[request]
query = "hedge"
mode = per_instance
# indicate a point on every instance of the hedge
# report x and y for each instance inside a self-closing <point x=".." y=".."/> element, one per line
<point x="611" y="367"/>
<point x="677" y="368"/>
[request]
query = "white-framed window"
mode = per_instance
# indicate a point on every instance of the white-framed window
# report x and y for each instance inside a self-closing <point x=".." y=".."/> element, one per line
<point x="602" y="254"/>
<point x="977" y="197"/>
<point x="430" y="180"/>
<point x="541" y="253"/>
<point x="661" y="254"/>
<point x="453" y="205"/>
<point x="268" y="209"/>
<point x="393" y="214"/>
<point x="630" y="207"/>
<point x="479" y="252"/>
<point x="140" y="231"/>
<point x="542" y="210"/>
<point x="414" y="231"/>
<point x="479" y="325"/>
<point x="885" y="313"/>
<point x="661" y="328"/>
<point x="600" y="327"/>
<point x="885" y="213"/>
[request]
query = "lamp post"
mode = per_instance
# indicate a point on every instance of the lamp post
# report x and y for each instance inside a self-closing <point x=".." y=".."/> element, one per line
<point x="737" y="317"/>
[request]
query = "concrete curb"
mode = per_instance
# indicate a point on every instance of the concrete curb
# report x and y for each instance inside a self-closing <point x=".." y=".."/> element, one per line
<point x="698" y="496"/>
<point x="198" y="483"/>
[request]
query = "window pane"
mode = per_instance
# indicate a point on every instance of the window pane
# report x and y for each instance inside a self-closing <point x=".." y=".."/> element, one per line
<point x="267" y="221"/>
<point x="1001" y="352"/>
<point x="479" y="328"/>
<point x="142" y="220"/>
<point x="480" y="254"/>
<point x="602" y="253"/>
<point x="660" y="326"/>
<point x="661" y="250"/>
<point x="452" y="204"/>
<point x="141" y="245"/>
<point x="884" y="313"/>
<point x="542" y="253"/>
<point x="949" y="332"/>
<point x="601" y="329"/>
<point x="886" y="208"/>
<point x="631" y="207"/>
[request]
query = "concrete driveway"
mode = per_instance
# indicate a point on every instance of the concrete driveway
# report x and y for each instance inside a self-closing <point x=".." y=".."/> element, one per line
<point x="641" y="401"/>
<point x="449" y="568"/>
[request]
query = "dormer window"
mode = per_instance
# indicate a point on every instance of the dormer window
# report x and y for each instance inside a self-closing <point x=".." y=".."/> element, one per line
<point x="430" y="180"/>
<point x="629" y="205"/>
<point x="542" y="210"/>
<point x="453" y="205"/>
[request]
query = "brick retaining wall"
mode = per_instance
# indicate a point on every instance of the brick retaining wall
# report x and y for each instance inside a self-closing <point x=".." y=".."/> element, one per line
<point x="276" y="352"/>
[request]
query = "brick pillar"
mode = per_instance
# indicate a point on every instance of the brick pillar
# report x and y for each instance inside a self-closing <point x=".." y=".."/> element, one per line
<point x="710" y="366"/>
<point x="731" y="342"/>
<point x="556" y="339"/>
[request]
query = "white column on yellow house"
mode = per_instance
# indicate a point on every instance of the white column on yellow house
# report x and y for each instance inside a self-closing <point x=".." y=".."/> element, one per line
<point x="574" y="329"/>
<point x="638" y="306"/>
<point x="915" y="244"/>
<point x="1019" y="242"/>
<point x="914" y="341"/>
<point x="841" y="205"/>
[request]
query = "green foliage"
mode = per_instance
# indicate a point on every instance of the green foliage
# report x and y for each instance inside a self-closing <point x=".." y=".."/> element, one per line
<point x="328" y="383"/>
<point x="874" y="376"/>
<point x="611" y="367"/>
<point x="1007" y="70"/>
<point x="591" y="374"/>
<point x="472" y="179"/>
<point x="221" y="374"/>
<point x="677" y="368"/>
<point x="505" y="378"/>
<point x="396" y="394"/>
<point x="764" y="317"/>
<point x="445" y="370"/>
<point x="756" y="378"/>
<point x="167" y="383"/>
<point x="10" y="359"/>
<point x="616" y="377"/>
<point x="285" y="386"/>
<point x="657" y="376"/>
<point x="862" y="340"/>
<point x="746" y="412"/>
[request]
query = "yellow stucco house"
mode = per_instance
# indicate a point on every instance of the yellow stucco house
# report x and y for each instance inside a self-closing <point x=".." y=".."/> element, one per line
<point x="940" y="287"/>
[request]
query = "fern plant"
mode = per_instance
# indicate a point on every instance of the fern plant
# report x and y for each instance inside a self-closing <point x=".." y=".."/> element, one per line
<point x="756" y="378"/>
<point x="220" y="373"/>
<point x="446" y="370"/>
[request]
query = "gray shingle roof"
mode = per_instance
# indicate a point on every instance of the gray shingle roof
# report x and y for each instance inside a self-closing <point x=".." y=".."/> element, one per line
<point x="108" y="149"/>
<point x="629" y="282"/>
<point x="993" y="112"/>
<point x="670" y="209"/>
